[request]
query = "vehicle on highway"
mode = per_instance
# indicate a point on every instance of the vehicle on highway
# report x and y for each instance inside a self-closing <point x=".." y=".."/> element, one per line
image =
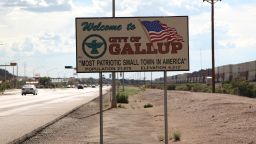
<point x="80" y="87"/>
<point x="29" y="89"/>
<point x="93" y="86"/>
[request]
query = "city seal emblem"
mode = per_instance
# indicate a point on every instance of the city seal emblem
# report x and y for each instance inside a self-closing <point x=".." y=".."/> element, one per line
<point x="94" y="46"/>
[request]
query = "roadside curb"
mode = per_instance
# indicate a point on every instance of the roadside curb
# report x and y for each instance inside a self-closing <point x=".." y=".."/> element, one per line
<point x="37" y="130"/>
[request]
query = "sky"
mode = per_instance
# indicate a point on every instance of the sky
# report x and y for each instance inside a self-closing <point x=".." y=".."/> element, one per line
<point x="40" y="34"/>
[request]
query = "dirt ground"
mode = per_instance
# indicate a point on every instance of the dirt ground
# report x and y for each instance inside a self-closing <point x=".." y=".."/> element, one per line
<point x="200" y="118"/>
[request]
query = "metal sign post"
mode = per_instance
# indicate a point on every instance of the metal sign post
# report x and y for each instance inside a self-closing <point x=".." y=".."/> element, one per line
<point x="123" y="81"/>
<point x="165" y="109"/>
<point x="113" y="102"/>
<point x="101" y="114"/>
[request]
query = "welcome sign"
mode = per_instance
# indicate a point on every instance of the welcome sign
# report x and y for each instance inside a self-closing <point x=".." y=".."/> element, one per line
<point x="132" y="44"/>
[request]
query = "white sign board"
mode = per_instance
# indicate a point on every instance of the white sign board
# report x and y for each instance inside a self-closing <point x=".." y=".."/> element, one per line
<point x="132" y="44"/>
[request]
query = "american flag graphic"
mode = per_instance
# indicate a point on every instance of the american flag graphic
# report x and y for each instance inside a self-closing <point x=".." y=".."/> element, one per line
<point x="158" y="32"/>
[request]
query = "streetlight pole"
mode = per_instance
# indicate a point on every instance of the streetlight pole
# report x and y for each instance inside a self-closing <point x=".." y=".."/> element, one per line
<point x="212" y="2"/>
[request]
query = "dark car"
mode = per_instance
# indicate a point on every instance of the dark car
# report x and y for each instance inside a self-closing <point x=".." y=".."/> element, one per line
<point x="80" y="87"/>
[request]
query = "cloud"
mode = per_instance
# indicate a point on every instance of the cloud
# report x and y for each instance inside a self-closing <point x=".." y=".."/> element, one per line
<point x="199" y="24"/>
<point x="53" y="43"/>
<point x="128" y="7"/>
<point x="157" y="7"/>
<point x="43" y="43"/>
<point x="40" y="5"/>
<point x="27" y="33"/>
<point x="13" y="3"/>
<point x="238" y="23"/>
<point x="2" y="51"/>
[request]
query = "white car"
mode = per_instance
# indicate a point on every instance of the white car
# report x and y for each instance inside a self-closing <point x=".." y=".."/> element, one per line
<point x="29" y="89"/>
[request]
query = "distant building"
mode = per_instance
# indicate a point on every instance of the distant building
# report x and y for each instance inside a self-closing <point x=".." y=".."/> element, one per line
<point x="246" y="71"/>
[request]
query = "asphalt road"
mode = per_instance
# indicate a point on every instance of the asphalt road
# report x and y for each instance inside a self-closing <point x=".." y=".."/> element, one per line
<point x="20" y="115"/>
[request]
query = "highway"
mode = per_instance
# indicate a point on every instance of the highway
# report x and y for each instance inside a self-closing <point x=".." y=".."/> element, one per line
<point x="20" y="115"/>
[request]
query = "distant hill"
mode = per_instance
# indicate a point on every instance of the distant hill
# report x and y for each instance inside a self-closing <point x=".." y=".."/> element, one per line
<point x="2" y="75"/>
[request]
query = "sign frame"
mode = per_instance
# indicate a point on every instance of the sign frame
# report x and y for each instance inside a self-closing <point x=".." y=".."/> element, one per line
<point x="153" y="17"/>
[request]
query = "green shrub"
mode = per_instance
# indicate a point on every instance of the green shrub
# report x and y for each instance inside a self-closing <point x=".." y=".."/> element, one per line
<point x="243" y="88"/>
<point x="254" y="92"/>
<point x="2" y="88"/>
<point x="196" y="88"/>
<point x="171" y="87"/>
<point x="154" y="86"/>
<point x="238" y="87"/>
<point x="226" y="88"/>
<point x="148" y="105"/>
<point x="7" y="86"/>
<point x="200" y="88"/>
<point x="122" y="98"/>
<point x="193" y="87"/>
<point x="189" y="87"/>
<point x="182" y="87"/>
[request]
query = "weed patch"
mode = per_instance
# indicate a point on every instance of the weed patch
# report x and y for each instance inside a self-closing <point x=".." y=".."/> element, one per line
<point x="148" y="105"/>
<point x="176" y="135"/>
<point x="122" y="98"/>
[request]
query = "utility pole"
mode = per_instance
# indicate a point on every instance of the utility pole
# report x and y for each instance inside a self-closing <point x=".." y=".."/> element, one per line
<point x="212" y="2"/>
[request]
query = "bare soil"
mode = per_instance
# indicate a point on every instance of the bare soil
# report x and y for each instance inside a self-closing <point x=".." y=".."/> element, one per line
<point x="201" y="118"/>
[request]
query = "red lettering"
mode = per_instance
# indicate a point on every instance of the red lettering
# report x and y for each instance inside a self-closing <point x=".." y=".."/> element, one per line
<point x="161" y="49"/>
<point x="127" y="49"/>
<point x="137" y="49"/>
<point x="118" y="39"/>
<point x="150" y="50"/>
<point x="176" y="46"/>
<point x="114" y="49"/>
